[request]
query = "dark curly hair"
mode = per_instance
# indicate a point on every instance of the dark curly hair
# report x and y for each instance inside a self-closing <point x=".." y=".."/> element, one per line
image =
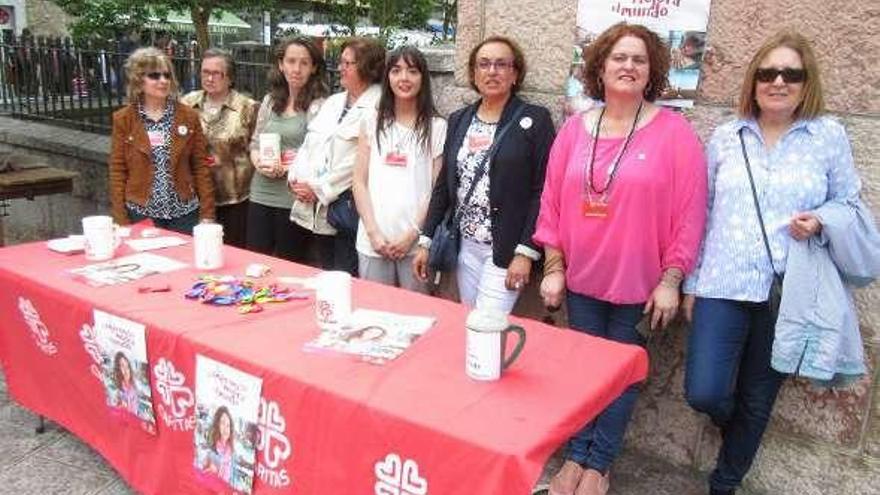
<point x="314" y="89"/>
<point x="519" y="61"/>
<point x="597" y="52"/>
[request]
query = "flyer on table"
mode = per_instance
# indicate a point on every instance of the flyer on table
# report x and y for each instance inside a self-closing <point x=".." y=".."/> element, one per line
<point x="124" y="368"/>
<point x="227" y="408"/>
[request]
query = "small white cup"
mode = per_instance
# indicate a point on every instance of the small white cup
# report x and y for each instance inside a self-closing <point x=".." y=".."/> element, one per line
<point x="270" y="148"/>
<point x="208" y="246"/>
<point x="486" y="342"/>
<point x="332" y="300"/>
<point x="101" y="239"/>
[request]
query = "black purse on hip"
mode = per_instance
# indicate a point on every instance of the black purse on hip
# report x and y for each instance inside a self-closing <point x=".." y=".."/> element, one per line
<point x="342" y="214"/>
<point x="774" y="297"/>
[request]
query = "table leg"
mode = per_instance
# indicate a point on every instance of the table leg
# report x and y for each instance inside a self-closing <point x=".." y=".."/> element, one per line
<point x="41" y="427"/>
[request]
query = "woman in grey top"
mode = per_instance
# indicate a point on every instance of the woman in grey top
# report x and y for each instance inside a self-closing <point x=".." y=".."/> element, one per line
<point x="297" y="87"/>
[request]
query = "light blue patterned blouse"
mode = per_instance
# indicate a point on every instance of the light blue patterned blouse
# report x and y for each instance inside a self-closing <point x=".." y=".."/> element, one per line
<point x="811" y="164"/>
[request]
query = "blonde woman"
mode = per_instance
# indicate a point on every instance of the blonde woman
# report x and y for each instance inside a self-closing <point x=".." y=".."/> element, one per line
<point x="157" y="156"/>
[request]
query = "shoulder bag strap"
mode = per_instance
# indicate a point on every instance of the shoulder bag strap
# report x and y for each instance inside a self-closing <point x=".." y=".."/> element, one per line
<point x="481" y="168"/>
<point x="742" y="144"/>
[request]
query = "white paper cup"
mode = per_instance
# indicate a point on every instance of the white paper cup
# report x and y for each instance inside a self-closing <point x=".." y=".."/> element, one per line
<point x="208" y="246"/>
<point x="100" y="237"/>
<point x="333" y="300"/>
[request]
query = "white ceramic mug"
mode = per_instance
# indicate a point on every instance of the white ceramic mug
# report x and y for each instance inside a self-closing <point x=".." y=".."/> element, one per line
<point x="208" y="246"/>
<point x="270" y="148"/>
<point x="332" y="300"/>
<point x="487" y="331"/>
<point x="101" y="237"/>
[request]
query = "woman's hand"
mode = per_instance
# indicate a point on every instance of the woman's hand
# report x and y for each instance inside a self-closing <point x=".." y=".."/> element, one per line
<point x="420" y="264"/>
<point x="687" y="307"/>
<point x="400" y="247"/>
<point x="662" y="306"/>
<point x="303" y="192"/>
<point x="553" y="289"/>
<point x="518" y="272"/>
<point x="379" y="243"/>
<point x="804" y="225"/>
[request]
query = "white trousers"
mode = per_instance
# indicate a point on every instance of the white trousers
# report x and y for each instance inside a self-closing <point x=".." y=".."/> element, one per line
<point x="480" y="282"/>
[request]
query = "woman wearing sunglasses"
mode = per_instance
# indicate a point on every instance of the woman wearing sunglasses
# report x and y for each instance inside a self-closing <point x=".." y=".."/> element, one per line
<point x="158" y="151"/>
<point x="783" y="159"/>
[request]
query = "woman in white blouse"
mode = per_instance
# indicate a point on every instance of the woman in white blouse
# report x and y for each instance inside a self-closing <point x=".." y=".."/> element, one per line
<point x="398" y="159"/>
<point x="799" y="160"/>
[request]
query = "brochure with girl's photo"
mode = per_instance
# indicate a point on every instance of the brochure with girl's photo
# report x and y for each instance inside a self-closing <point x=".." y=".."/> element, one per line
<point x="375" y="336"/>
<point x="227" y="407"/>
<point x="124" y="368"/>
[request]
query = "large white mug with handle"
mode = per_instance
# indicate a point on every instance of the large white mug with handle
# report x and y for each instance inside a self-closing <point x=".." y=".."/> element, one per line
<point x="101" y="237"/>
<point x="487" y="331"/>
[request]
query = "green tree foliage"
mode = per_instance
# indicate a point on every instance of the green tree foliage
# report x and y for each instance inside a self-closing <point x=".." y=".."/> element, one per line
<point x="386" y="14"/>
<point x="106" y="18"/>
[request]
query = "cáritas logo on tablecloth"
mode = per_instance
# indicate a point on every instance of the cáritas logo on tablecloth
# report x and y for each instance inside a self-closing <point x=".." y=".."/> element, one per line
<point x="90" y="344"/>
<point x="38" y="329"/>
<point x="177" y="399"/>
<point x="273" y="445"/>
<point x="399" y="477"/>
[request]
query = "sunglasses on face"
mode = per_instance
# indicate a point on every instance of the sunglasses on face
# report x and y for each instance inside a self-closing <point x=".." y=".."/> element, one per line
<point x="155" y="76"/>
<point x="788" y="74"/>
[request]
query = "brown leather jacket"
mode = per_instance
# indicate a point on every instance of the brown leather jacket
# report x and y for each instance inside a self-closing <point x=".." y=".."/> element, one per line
<point x="131" y="164"/>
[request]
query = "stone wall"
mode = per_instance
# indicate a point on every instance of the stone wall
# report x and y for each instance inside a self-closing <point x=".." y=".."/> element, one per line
<point x="819" y="441"/>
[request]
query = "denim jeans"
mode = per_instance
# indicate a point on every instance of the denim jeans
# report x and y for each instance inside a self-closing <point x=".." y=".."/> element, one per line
<point x="184" y="224"/>
<point x="597" y="444"/>
<point x="729" y="378"/>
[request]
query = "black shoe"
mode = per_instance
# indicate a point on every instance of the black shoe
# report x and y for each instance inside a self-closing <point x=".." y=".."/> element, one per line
<point x="718" y="491"/>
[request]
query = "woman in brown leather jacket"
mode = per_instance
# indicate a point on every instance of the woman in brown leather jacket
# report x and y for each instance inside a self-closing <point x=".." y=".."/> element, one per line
<point x="157" y="159"/>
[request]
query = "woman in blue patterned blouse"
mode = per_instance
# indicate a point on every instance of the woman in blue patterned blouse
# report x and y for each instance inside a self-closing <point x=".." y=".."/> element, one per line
<point x="799" y="159"/>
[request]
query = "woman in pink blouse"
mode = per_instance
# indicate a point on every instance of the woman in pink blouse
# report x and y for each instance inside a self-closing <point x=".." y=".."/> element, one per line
<point x="622" y="216"/>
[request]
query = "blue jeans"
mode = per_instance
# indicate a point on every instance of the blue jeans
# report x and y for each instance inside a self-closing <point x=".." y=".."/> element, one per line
<point x="729" y="378"/>
<point x="183" y="224"/>
<point x="598" y="443"/>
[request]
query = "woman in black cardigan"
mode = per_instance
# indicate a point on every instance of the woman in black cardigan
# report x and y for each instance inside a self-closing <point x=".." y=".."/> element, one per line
<point x="498" y="219"/>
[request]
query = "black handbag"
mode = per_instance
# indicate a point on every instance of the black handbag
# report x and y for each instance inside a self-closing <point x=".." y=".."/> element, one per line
<point x="774" y="297"/>
<point x="443" y="254"/>
<point x="343" y="216"/>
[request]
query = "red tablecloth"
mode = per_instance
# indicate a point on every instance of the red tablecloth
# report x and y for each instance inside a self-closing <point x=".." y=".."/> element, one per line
<point x="329" y="423"/>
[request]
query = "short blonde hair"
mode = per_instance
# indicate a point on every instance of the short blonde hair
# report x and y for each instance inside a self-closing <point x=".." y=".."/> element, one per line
<point x="812" y="105"/>
<point x="141" y="62"/>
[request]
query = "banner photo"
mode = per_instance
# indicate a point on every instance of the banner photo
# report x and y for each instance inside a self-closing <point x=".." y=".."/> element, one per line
<point x="681" y="24"/>
<point x="227" y="411"/>
<point x="124" y="369"/>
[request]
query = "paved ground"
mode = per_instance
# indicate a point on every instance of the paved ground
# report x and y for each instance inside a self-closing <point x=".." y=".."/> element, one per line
<point x="56" y="462"/>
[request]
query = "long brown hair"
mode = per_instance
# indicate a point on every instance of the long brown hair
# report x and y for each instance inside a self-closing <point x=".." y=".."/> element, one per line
<point x="812" y="104"/>
<point x="315" y="87"/>
<point x="214" y="434"/>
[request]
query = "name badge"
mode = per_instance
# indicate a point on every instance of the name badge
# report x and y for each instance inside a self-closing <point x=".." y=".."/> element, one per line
<point x="396" y="159"/>
<point x="156" y="138"/>
<point x="210" y="160"/>
<point x="479" y="142"/>
<point x="594" y="208"/>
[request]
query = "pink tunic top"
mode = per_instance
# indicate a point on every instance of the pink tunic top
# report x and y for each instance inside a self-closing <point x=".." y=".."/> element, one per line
<point x="656" y="213"/>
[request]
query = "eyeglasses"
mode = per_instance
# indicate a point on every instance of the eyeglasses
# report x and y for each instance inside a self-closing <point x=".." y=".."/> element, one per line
<point x="788" y="74"/>
<point x="212" y="74"/>
<point x="155" y="76"/>
<point x="501" y="65"/>
<point x="345" y="64"/>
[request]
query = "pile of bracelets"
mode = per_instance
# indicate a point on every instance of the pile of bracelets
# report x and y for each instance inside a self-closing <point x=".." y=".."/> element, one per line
<point x="243" y="293"/>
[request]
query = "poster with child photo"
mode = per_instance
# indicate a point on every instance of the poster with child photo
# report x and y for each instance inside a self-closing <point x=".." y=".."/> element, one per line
<point x="227" y="407"/>
<point x="124" y="368"/>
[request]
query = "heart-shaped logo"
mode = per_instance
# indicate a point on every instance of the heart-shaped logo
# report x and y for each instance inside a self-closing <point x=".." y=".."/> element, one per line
<point x="397" y="477"/>
<point x="272" y="443"/>
<point x="169" y="384"/>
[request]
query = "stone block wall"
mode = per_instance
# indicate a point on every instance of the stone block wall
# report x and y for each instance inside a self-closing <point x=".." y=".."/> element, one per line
<point x="819" y="441"/>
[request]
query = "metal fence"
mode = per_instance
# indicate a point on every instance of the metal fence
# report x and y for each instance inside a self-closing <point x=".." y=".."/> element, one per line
<point x="80" y="86"/>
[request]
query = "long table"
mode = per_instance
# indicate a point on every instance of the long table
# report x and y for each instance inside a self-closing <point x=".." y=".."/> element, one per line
<point x="329" y="424"/>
